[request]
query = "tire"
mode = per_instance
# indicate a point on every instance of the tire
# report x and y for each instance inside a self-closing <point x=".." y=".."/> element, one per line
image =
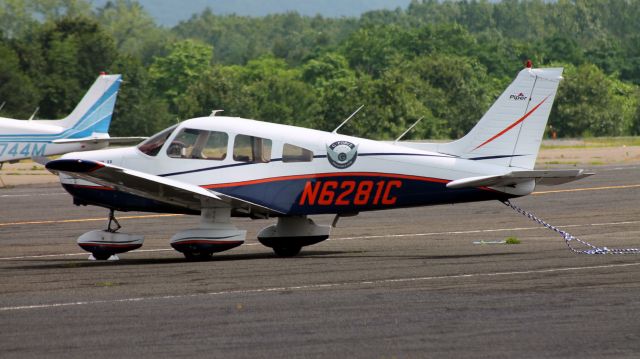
<point x="198" y="256"/>
<point x="101" y="256"/>
<point x="286" y="251"/>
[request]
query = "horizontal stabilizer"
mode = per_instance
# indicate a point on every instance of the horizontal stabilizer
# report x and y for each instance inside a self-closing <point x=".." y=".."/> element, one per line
<point x="542" y="177"/>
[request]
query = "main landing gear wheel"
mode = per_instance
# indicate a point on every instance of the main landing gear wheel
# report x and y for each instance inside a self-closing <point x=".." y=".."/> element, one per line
<point x="198" y="256"/>
<point x="101" y="256"/>
<point x="290" y="234"/>
<point x="286" y="251"/>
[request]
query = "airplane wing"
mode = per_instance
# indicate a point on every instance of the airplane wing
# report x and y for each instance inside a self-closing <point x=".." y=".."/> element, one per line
<point x="147" y="185"/>
<point x="542" y="177"/>
<point x="109" y="140"/>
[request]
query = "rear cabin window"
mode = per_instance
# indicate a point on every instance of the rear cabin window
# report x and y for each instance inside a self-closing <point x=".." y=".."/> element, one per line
<point x="199" y="145"/>
<point x="292" y="153"/>
<point x="152" y="146"/>
<point x="251" y="149"/>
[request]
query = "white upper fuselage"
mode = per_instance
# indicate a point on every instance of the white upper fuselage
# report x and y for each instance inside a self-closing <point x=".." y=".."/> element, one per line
<point x="373" y="157"/>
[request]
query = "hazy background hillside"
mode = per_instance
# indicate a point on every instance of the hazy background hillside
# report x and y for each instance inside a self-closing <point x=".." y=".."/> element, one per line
<point x="170" y="12"/>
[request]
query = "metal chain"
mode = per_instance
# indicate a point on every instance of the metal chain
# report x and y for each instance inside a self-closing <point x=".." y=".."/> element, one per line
<point x="568" y="237"/>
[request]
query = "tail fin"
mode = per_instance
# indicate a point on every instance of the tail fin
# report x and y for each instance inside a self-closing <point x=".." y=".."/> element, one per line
<point x="510" y="133"/>
<point x="93" y="112"/>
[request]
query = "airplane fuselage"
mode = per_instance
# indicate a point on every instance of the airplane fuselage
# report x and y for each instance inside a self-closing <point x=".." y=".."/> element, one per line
<point x="301" y="171"/>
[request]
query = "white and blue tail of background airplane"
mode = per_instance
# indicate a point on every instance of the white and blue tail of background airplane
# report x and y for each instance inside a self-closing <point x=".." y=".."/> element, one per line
<point x="93" y="112"/>
<point x="86" y="128"/>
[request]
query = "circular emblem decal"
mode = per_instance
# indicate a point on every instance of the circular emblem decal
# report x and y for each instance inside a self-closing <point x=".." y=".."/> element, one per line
<point x="342" y="154"/>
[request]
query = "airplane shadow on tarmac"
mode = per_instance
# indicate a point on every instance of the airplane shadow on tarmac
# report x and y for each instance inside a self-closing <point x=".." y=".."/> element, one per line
<point x="82" y="263"/>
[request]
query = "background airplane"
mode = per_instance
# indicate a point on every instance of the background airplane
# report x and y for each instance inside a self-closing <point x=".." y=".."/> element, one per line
<point x="220" y="167"/>
<point x="86" y="128"/>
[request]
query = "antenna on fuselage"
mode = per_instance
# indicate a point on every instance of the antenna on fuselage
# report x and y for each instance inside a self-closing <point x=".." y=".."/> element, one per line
<point x="213" y="113"/>
<point x="347" y="120"/>
<point x="408" y="129"/>
<point x="1" y="106"/>
<point x="34" y="113"/>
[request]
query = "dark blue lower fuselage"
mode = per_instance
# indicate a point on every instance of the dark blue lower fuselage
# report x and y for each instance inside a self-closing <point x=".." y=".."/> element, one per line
<point x="308" y="194"/>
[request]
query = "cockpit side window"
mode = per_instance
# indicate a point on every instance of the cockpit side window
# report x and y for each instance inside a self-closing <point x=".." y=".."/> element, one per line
<point x="251" y="149"/>
<point x="152" y="146"/>
<point x="216" y="146"/>
<point x="199" y="144"/>
<point x="293" y="153"/>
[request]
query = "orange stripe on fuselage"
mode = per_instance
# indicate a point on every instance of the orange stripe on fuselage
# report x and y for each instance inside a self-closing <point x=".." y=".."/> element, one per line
<point x="325" y="175"/>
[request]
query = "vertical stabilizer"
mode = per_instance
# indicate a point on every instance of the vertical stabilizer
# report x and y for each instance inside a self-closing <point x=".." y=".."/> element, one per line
<point x="93" y="113"/>
<point x="510" y="133"/>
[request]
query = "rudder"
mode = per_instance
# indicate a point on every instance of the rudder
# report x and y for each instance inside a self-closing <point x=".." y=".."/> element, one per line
<point x="510" y="132"/>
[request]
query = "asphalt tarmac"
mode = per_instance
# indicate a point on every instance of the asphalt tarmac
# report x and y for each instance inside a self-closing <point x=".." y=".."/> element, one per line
<point x="390" y="284"/>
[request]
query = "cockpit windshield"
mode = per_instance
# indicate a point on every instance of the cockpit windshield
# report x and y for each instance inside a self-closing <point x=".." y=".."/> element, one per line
<point x="152" y="146"/>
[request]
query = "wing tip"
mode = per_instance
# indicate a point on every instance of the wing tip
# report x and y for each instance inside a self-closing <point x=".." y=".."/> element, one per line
<point x="74" y="165"/>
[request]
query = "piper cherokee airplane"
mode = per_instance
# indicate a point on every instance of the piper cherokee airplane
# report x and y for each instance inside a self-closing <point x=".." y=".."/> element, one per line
<point x="84" y="129"/>
<point x="218" y="167"/>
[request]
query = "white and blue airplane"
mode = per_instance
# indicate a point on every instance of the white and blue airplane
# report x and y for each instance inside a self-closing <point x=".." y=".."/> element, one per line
<point x="86" y="128"/>
<point x="218" y="167"/>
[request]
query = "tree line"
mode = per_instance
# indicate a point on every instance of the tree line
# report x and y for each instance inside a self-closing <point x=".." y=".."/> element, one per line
<point x="445" y="61"/>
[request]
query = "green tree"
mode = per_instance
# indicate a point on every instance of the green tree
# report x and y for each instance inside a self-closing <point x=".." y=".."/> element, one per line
<point x="17" y="91"/>
<point x="591" y="103"/>
<point x="277" y="93"/>
<point x="139" y="110"/>
<point x="133" y="29"/>
<point x="635" y="124"/>
<point x="219" y="88"/>
<point x="465" y="91"/>
<point x="372" y="49"/>
<point x="339" y="90"/>
<point x="266" y="89"/>
<point x="185" y="62"/>
<point x="74" y="51"/>
<point x="17" y="17"/>
<point x="399" y="99"/>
